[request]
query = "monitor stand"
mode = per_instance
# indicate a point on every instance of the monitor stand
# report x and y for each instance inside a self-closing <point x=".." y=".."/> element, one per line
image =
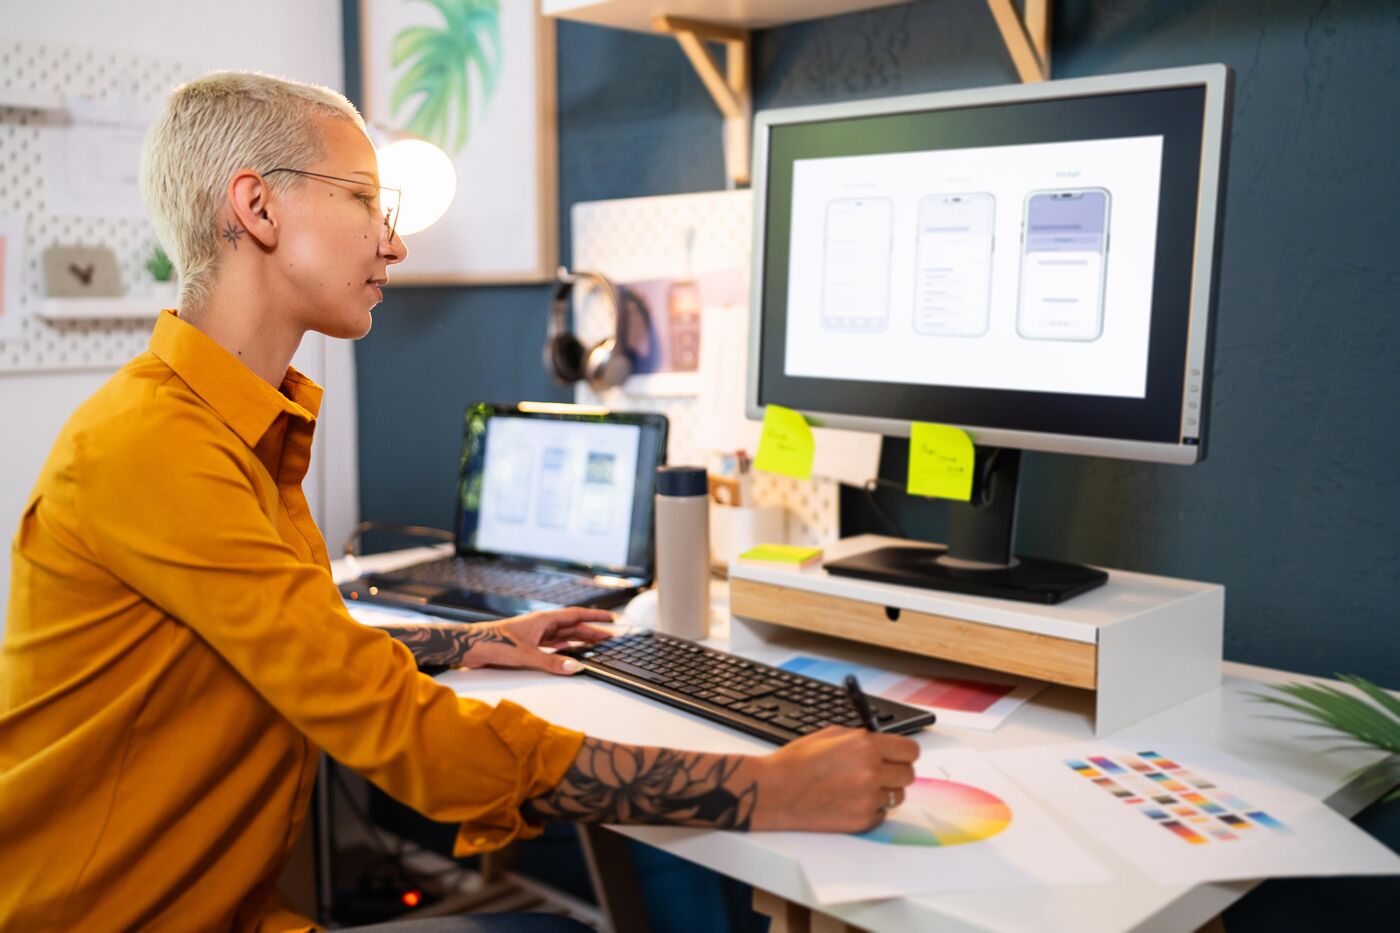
<point x="978" y="560"/>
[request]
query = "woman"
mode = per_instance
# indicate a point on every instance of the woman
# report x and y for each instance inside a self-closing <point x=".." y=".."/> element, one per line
<point x="176" y="653"/>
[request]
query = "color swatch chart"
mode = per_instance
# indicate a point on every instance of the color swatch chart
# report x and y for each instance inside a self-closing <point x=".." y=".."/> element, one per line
<point x="970" y="696"/>
<point x="1181" y="802"/>
<point x="942" y="813"/>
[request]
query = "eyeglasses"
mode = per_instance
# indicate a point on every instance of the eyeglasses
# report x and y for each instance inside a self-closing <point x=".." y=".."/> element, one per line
<point x="391" y="213"/>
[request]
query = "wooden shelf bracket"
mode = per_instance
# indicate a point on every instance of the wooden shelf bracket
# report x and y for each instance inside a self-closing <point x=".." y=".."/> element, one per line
<point x="1028" y="39"/>
<point x="731" y="88"/>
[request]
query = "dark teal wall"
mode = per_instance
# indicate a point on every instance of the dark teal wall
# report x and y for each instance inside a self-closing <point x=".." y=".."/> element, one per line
<point x="1296" y="510"/>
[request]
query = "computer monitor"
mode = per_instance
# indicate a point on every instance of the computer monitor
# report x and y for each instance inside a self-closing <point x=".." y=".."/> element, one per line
<point x="1035" y="264"/>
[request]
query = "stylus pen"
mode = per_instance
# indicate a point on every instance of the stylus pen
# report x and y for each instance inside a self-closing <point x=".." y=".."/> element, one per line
<point x="862" y="705"/>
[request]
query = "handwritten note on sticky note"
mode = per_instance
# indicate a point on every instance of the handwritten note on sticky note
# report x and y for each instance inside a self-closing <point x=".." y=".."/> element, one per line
<point x="786" y="445"/>
<point x="940" y="462"/>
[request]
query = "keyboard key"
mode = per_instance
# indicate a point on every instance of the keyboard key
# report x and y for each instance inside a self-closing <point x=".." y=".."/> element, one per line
<point x="635" y="671"/>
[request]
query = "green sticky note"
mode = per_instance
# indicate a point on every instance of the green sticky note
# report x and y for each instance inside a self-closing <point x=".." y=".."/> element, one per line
<point x="940" y="462"/>
<point x="786" y="445"/>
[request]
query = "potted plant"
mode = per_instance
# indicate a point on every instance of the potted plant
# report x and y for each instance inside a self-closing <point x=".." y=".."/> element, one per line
<point x="162" y="270"/>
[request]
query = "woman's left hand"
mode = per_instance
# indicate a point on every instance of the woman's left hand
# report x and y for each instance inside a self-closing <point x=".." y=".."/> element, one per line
<point x="516" y="642"/>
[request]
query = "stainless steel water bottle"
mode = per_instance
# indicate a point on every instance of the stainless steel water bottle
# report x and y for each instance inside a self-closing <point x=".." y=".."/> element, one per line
<point x="683" y="551"/>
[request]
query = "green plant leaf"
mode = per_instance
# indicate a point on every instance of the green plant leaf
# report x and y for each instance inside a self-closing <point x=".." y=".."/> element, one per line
<point x="1381" y="696"/>
<point x="441" y="61"/>
<point x="1376" y="727"/>
<point x="1342" y="711"/>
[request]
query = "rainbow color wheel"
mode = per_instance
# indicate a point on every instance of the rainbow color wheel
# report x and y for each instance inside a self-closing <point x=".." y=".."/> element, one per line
<point x="942" y="813"/>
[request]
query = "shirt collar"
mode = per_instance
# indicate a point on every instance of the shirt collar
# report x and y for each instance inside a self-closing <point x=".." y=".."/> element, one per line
<point x="246" y="403"/>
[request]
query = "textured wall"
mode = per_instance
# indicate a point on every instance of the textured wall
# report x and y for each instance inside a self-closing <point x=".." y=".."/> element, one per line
<point x="633" y="121"/>
<point x="1297" y="508"/>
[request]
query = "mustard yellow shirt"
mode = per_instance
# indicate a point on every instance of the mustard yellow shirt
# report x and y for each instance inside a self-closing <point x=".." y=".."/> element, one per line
<point x="176" y="654"/>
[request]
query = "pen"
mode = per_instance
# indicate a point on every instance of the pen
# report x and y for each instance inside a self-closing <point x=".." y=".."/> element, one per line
<point x="862" y="705"/>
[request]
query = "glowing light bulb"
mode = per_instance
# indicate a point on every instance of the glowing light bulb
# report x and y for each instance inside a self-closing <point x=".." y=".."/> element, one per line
<point x="425" y="175"/>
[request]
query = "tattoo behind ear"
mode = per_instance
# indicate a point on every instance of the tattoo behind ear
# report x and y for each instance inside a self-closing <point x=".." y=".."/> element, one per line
<point x="233" y="233"/>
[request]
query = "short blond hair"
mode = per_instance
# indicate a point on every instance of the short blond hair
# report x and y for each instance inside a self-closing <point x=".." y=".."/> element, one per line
<point x="211" y="128"/>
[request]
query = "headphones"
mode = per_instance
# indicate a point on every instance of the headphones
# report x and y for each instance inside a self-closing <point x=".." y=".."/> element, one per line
<point x="607" y="363"/>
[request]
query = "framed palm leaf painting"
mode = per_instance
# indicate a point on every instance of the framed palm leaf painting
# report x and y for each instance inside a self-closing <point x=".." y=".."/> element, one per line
<point x="476" y="77"/>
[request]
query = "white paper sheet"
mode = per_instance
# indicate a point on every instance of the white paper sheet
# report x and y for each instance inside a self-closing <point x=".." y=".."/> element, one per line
<point x="92" y="164"/>
<point x="1185" y="813"/>
<point x="961" y="698"/>
<point x="846" y="456"/>
<point x="14" y="303"/>
<point x="963" y="827"/>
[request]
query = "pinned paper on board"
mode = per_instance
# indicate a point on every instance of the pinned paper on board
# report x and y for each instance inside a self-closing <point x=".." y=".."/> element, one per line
<point x="1187" y="814"/>
<point x="786" y="445"/>
<point x="941" y="460"/>
<point x="851" y="457"/>
<point x="963" y="826"/>
<point x="13" y="306"/>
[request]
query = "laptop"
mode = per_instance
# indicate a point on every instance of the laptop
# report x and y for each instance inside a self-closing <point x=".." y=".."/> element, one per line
<point x="553" y="508"/>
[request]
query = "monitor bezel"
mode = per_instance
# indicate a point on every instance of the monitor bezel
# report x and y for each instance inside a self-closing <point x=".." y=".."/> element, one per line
<point x="1190" y="444"/>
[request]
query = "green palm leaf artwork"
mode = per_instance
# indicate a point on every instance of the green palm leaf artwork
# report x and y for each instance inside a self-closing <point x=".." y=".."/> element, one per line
<point x="1372" y="725"/>
<point x="439" y="63"/>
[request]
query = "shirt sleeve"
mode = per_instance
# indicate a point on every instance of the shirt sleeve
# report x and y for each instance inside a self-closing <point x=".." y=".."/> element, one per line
<point x="182" y="525"/>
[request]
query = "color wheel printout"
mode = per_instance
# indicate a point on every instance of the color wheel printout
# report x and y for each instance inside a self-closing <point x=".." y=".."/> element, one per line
<point x="1185" y="813"/>
<point x="962" y="827"/>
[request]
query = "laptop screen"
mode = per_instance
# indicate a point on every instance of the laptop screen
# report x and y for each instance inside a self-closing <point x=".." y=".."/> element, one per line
<point x="563" y="488"/>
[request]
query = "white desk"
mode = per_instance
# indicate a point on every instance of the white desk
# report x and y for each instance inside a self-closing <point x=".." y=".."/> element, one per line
<point x="1223" y="717"/>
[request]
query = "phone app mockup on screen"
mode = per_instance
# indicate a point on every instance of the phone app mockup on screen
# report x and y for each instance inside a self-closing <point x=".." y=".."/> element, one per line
<point x="1063" y="265"/>
<point x="953" y="275"/>
<point x="856" y="264"/>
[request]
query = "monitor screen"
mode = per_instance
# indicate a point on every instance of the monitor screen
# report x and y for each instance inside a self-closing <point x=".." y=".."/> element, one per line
<point x="1034" y="263"/>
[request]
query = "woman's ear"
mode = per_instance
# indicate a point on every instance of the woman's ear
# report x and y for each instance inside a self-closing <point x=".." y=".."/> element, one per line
<point x="250" y="204"/>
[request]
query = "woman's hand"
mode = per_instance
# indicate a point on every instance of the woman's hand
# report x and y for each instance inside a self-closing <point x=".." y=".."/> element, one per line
<point x="836" y="780"/>
<point x="514" y="642"/>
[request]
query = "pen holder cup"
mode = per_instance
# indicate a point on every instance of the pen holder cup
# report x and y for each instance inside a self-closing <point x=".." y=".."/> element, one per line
<point x="735" y="529"/>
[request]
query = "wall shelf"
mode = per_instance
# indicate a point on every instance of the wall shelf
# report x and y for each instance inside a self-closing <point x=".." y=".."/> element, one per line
<point x="640" y="15"/>
<point x="696" y="24"/>
<point x="26" y="99"/>
<point x="125" y="308"/>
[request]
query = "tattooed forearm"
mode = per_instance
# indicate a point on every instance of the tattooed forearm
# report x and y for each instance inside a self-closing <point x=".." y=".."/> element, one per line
<point x="447" y="643"/>
<point x="614" y="783"/>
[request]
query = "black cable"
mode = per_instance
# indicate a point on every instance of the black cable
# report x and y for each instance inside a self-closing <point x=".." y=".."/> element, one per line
<point x="419" y="531"/>
<point x="870" y="487"/>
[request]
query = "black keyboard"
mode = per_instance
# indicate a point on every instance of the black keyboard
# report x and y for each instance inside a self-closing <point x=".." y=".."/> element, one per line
<point x="483" y="576"/>
<point x="754" y="698"/>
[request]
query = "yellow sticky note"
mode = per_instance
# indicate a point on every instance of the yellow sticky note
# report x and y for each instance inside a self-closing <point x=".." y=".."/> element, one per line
<point x="786" y="445"/>
<point x="940" y="462"/>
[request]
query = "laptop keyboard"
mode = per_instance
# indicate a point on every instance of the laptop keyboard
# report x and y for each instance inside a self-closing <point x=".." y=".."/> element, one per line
<point x="755" y="698"/>
<point x="492" y="577"/>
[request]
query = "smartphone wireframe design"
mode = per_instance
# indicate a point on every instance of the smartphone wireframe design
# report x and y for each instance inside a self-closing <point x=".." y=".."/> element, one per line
<point x="856" y="264"/>
<point x="953" y="275"/>
<point x="1064" y="265"/>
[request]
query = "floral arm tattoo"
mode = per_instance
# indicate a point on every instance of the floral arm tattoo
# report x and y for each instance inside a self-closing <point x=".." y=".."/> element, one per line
<point x="614" y="783"/>
<point x="445" y="644"/>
